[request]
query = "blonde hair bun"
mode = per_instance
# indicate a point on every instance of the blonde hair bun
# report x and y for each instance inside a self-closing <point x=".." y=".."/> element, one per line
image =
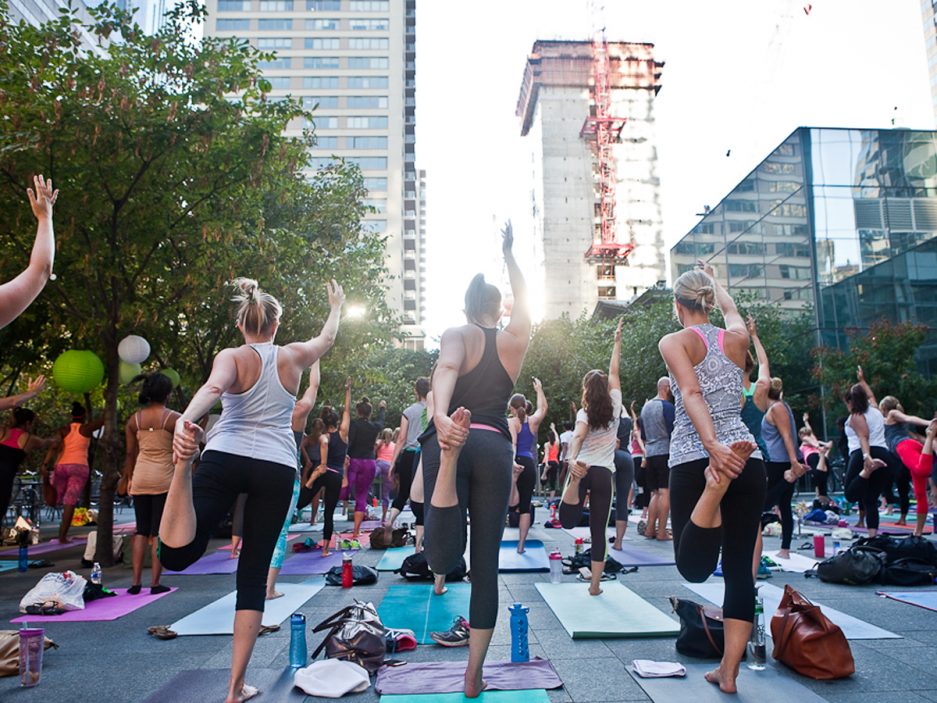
<point x="258" y="311"/>
<point x="695" y="290"/>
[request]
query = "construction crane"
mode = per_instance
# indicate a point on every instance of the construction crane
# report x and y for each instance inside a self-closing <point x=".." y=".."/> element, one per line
<point x="603" y="130"/>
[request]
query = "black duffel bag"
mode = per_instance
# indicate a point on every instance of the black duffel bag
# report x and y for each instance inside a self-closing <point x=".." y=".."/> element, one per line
<point x="416" y="568"/>
<point x="702" y="634"/>
<point x="917" y="548"/>
<point x="361" y="575"/>
<point x="908" y="572"/>
<point x="855" y="566"/>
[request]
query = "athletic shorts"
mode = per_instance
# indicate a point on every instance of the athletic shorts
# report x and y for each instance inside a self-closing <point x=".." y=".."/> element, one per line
<point x="657" y="475"/>
<point x="149" y="511"/>
<point x="69" y="481"/>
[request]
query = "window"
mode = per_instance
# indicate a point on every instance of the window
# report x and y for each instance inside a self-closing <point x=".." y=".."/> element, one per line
<point x="746" y="186"/>
<point x="326" y="143"/>
<point x="369" y="163"/>
<point x="377" y="226"/>
<point x="274" y="43"/>
<point x="234" y="5"/>
<point x="367" y="101"/>
<point x="322" y="24"/>
<point x="369" y="5"/>
<point x="325" y="122"/>
<point x="783" y="186"/>
<point x="747" y="248"/>
<point x="792" y="249"/>
<point x="375" y="184"/>
<point x="367" y="122"/>
<point x="232" y="25"/>
<point x="736" y="226"/>
<point x="276" y="5"/>
<point x="771" y="167"/>
<point x="274" y="25"/>
<point x="367" y="81"/>
<point x="367" y="143"/>
<point x="379" y="204"/>
<point x="369" y="25"/>
<point x="368" y="62"/>
<point x="310" y="102"/>
<point x="784" y="150"/>
<point x="741" y="206"/>
<point x="323" y="5"/>
<point x="320" y="82"/>
<point x="790" y="210"/>
<point x="744" y="270"/>
<point x="279" y="82"/>
<point x="320" y="44"/>
<point x="359" y="43"/>
<point x="277" y="62"/>
<point x="321" y="62"/>
<point x="798" y="273"/>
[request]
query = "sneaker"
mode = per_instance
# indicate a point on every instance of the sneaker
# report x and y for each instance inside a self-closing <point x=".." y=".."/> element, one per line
<point x="763" y="571"/>
<point x="456" y="636"/>
<point x="400" y="640"/>
<point x="642" y="527"/>
<point x="769" y="562"/>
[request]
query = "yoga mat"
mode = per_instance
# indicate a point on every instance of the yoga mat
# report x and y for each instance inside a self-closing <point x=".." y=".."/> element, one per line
<point x="393" y="558"/>
<point x="212" y="684"/>
<point x="617" y="612"/>
<point x="797" y="564"/>
<point x="414" y="606"/>
<point x="313" y="562"/>
<point x="449" y="677"/>
<point x="535" y="532"/>
<point x="304" y="527"/>
<point x="524" y="696"/>
<point x="371" y="525"/>
<point x="217" y="562"/>
<point x="638" y="554"/>
<point x="227" y="547"/>
<point x="53" y="545"/>
<point x="533" y="559"/>
<point x="922" y="599"/>
<point x="217" y="618"/>
<point x="8" y="565"/>
<point x="101" y="609"/>
<point x="773" y="685"/>
<point x="853" y="628"/>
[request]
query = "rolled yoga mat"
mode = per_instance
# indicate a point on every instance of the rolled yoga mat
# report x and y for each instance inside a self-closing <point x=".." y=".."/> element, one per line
<point x="308" y="563"/>
<point x="853" y="628"/>
<point x="216" y="562"/>
<point x="533" y="559"/>
<point x="393" y="558"/>
<point x="616" y="612"/>
<point x="217" y="618"/>
<point x="449" y="677"/>
<point x="414" y="606"/>
<point x="211" y="685"/>
<point x="102" y="608"/>
<point x="922" y="599"/>
<point x="526" y="696"/>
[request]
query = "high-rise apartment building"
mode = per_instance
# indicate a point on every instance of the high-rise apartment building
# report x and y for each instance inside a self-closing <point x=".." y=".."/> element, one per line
<point x="929" y="13"/>
<point x="36" y="12"/>
<point x="354" y="61"/>
<point x="555" y="105"/>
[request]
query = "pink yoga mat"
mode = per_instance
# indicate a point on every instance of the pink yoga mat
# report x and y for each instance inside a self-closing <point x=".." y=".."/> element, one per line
<point x="302" y="563"/>
<point x="217" y="562"/>
<point x="101" y="609"/>
<point x="53" y="545"/>
<point x="448" y="677"/>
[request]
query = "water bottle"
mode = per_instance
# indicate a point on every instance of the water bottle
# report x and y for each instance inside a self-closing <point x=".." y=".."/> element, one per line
<point x="579" y="543"/>
<point x="348" y="576"/>
<point x="24" y="558"/>
<point x="835" y="547"/>
<point x="556" y="567"/>
<point x="96" y="574"/>
<point x="520" y="652"/>
<point x="756" y="646"/>
<point x="298" y="653"/>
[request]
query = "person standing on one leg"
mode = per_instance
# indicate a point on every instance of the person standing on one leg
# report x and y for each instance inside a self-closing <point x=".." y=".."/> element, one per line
<point x="551" y="461"/>
<point x="656" y="427"/>
<point x="524" y="426"/>
<point x="908" y="446"/>
<point x="329" y="477"/>
<point x="413" y="422"/>
<point x="566" y="438"/>
<point x="362" y="466"/>
<point x="384" y="450"/>
<point x="624" y="477"/>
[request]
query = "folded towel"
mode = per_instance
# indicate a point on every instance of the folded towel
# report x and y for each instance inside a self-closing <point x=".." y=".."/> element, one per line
<point x="647" y="669"/>
<point x="332" y="678"/>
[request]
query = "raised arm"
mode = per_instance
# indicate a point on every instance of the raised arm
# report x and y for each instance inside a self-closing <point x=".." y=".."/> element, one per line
<point x="398" y="446"/>
<point x="736" y="331"/>
<point x="542" y="407"/>
<point x="451" y="357"/>
<point x="519" y="327"/>
<point x="860" y="377"/>
<point x="763" y="384"/>
<point x="16" y="295"/>
<point x="307" y="402"/>
<point x="306" y="353"/>
<point x="898" y="416"/>
<point x="346" y="413"/>
<point x="33" y="389"/>
<point x="614" y="380"/>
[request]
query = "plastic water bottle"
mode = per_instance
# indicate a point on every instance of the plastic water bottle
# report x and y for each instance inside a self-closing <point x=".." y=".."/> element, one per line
<point x="579" y="543"/>
<point x="556" y="567"/>
<point x="520" y="651"/>
<point x="298" y="652"/>
<point x="835" y="547"/>
<point x="96" y="574"/>
<point x="24" y="558"/>
<point x="757" y="649"/>
<point x="348" y="575"/>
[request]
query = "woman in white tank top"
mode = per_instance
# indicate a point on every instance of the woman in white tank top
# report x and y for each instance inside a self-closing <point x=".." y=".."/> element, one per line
<point x="249" y="450"/>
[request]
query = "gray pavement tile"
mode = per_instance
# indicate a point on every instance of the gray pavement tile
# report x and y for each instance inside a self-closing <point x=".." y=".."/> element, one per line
<point x="560" y="646"/>
<point x="598" y="679"/>
<point x="906" y="697"/>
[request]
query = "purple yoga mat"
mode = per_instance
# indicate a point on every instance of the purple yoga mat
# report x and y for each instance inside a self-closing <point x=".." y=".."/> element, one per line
<point x="302" y="563"/>
<point x="101" y="609"/>
<point x="449" y="677"/>
<point x="217" y="562"/>
<point x="53" y="545"/>
<point x="371" y="524"/>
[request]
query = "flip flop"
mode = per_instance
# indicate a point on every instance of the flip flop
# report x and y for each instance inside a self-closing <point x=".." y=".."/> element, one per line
<point x="267" y="629"/>
<point x="161" y="632"/>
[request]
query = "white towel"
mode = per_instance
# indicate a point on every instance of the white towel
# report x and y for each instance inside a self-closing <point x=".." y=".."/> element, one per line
<point x="647" y="669"/>
<point x="332" y="678"/>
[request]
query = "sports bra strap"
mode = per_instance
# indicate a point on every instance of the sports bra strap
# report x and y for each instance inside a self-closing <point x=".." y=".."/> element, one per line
<point x="701" y="336"/>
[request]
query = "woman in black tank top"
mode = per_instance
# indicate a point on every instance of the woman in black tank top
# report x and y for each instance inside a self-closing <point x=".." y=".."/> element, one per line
<point x="468" y="451"/>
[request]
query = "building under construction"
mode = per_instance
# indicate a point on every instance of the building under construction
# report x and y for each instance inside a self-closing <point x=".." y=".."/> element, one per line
<point x="587" y="110"/>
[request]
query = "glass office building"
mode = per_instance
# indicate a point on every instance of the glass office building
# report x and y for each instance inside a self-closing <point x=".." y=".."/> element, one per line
<point x="843" y="221"/>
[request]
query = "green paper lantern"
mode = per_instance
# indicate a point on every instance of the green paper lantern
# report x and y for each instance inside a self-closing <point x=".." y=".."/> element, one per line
<point x="172" y="375"/>
<point x="128" y="372"/>
<point x="78" y="371"/>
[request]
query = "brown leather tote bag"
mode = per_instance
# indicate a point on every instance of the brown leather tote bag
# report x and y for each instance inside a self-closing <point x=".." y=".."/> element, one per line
<point x="806" y="640"/>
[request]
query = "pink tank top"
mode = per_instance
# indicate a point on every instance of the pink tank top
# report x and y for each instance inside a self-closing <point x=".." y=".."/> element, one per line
<point x="13" y="441"/>
<point x="385" y="452"/>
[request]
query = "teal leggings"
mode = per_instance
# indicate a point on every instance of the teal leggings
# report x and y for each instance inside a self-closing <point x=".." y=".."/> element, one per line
<point x="279" y="552"/>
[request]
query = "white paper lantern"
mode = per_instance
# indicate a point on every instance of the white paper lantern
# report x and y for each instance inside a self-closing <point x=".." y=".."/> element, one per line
<point x="133" y="349"/>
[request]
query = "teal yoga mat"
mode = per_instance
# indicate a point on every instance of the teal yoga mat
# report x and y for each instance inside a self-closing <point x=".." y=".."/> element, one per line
<point x="393" y="558"/>
<point x="533" y="559"/>
<point x="8" y="565"/>
<point x="528" y="696"/>
<point x="616" y="612"/>
<point x="415" y="607"/>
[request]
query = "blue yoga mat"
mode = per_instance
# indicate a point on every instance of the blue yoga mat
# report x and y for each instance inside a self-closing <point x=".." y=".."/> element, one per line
<point x="393" y="558"/>
<point x="922" y="599"/>
<point x="8" y="565"/>
<point x="414" y="606"/>
<point x="533" y="559"/>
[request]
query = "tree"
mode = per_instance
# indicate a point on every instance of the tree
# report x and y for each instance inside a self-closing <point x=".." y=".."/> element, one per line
<point x="176" y="176"/>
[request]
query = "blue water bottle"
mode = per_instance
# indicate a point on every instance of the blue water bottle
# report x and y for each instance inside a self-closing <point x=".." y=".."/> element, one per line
<point x="520" y="651"/>
<point x="24" y="558"/>
<point x="298" y="654"/>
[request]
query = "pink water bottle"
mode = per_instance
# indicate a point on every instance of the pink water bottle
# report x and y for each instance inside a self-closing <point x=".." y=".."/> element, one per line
<point x="819" y="546"/>
<point x="348" y="577"/>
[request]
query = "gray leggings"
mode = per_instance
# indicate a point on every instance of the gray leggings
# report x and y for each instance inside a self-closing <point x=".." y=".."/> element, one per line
<point x="624" y="478"/>
<point x="483" y="483"/>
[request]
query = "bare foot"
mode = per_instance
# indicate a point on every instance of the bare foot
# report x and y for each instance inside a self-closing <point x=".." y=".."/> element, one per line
<point x="664" y="536"/>
<point x="247" y="692"/>
<point x="869" y="470"/>
<point x="235" y="553"/>
<point x="901" y="521"/>
<point x="726" y="683"/>
<point x="520" y="549"/>
<point x="274" y="595"/>
<point x="595" y="591"/>
<point x="616" y="545"/>
<point x="439" y="591"/>
<point x="474" y="685"/>
<point x="784" y="554"/>
<point x="325" y="551"/>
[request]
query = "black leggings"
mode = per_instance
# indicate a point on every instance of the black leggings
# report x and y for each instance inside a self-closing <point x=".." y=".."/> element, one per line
<point x="404" y="470"/>
<point x="902" y="478"/>
<point x="598" y="482"/>
<point x="624" y="478"/>
<point x="696" y="549"/>
<point x="483" y="483"/>
<point x="552" y="473"/>
<point x="818" y="477"/>
<point x="7" y="478"/>
<point x="215" y="487"/>
<point x="525" y="483"/>
<point x="417" y="509"/>
<point x="331" y="481"/>
<point x="781" y="493"/>
<point x="865" y="491"/>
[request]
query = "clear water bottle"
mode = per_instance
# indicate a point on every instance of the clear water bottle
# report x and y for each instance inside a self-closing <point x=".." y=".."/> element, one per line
<point x="298" y="653"/>
<point x="556" y="567"/>
<point x="835" y="547"/>
<point x="96" y="574"/>
<point x="757" y="649"/>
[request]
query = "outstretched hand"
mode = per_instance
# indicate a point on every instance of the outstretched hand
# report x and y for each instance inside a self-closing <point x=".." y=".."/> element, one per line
<point x="621" y="321"/>
<point x="43" y="198"/>
<point x="860" y="374"/>
<point x="538" y="386"/>
<point x="336" y="294"/>
<point x="36" y="384"/>
<point x="507" y="238"/>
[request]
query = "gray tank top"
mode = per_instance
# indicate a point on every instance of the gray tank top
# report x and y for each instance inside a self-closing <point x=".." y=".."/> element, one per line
<point x="256" y="423"/>
<point x="774" y="440"/>
<point x="721" y="383"/>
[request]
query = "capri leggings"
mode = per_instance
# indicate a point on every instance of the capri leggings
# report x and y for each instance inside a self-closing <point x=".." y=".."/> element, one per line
<point x="279" y="552"/>
<point x="866" y="491"/>
<point x="598" y="483"/>
<point x="911" y="453"/>
<point x="781" y="493"/>
<point x="819" y="478"/>
<point x="525" y="483"/>
<point x="331" y="481"/>
<point x="902" y="479"/>
<point x="404" y="470"/>
<point x="382" y="470"/>
<point x="360" y="475"/>
<point x="215" y="486"/>
<point x="696" y="549"/>
<point x="624" y="479"/>
<point x="483" y="483"/>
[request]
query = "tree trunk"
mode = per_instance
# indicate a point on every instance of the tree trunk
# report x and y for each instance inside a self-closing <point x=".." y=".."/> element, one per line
<point x="111" y="459"/>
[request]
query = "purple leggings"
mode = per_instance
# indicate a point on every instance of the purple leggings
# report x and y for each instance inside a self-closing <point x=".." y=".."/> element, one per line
<point x="360" y="475"/>
<point x="386" y="483"/>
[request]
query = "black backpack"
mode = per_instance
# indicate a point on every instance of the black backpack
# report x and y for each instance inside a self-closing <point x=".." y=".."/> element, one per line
<point x="415" y="568"/>
<point x="855" y="566"/>
<point x="908" y="572"/>
<point x="577" y="561"/>
<point x="361" y="575"/>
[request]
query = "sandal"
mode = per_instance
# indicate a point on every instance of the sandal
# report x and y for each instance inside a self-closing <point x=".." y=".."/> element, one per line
<point x="161" y="632"/>
<point x="267" y="629"/>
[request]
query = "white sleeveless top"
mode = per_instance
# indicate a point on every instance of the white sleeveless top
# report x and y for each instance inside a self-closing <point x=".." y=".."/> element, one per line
<point x="256" y="423"/>
<point x="876" y="422"/>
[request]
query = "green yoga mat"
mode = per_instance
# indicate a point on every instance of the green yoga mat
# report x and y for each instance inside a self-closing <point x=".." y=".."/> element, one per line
<point x="617" y="612"/>
<point x="415" y="607"/>
<point x="393" y="558"/>
<point x="526" y="696"/>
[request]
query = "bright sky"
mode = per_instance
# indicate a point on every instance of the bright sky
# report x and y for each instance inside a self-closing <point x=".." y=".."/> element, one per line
<point x="739" y="75"/>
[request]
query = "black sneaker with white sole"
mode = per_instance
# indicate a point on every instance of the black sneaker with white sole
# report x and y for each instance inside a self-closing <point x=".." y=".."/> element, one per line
<point x="455" y="636"/>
